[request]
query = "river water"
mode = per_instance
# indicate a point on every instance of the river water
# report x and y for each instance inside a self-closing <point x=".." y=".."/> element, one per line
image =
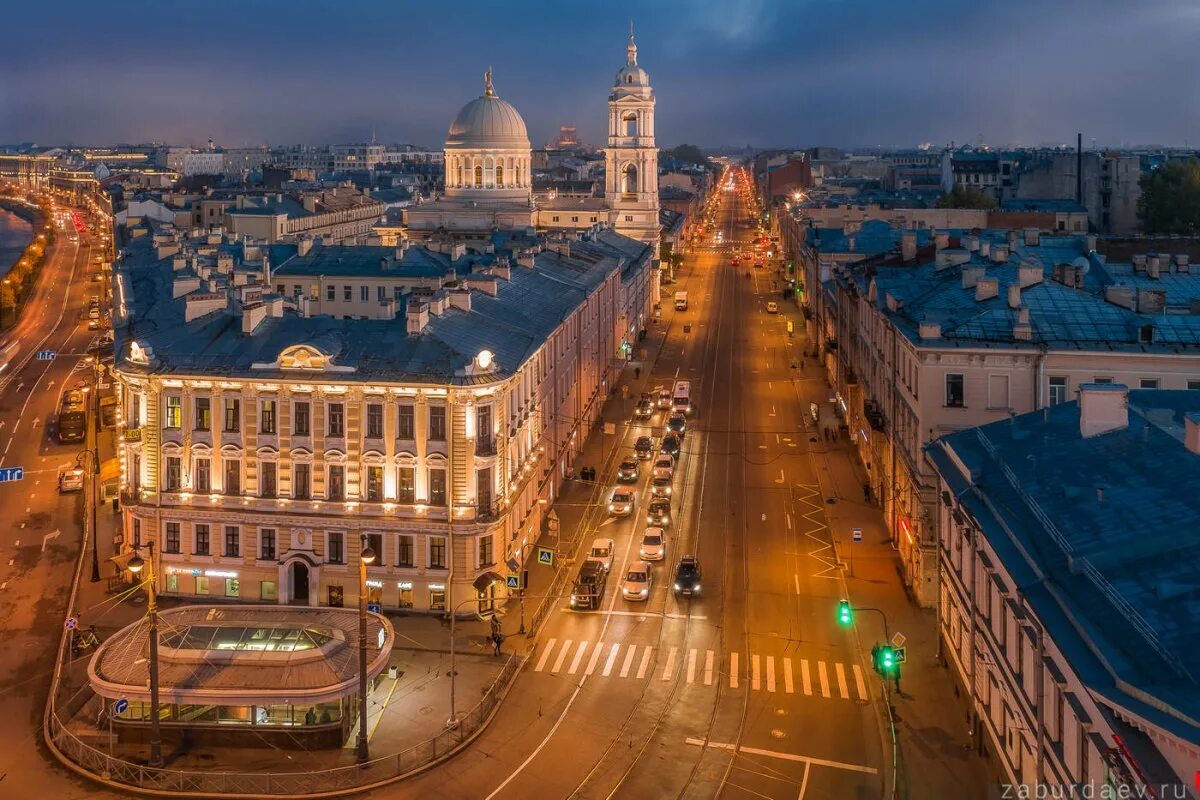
<point x="15" y="234"/>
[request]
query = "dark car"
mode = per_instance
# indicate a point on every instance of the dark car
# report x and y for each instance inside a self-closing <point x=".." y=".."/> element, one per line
<point x="670" y="445"/>
<point x="658" y="513"/>
<point x="629" y="470"/>
<point x="644" y="447"/>
<point x="687" y="576"/>
<point x="677" y="425"/>
<point x="645" y="407"/>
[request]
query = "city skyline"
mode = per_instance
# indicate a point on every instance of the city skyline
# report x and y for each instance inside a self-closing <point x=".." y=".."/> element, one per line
<point x="401" y="76"/>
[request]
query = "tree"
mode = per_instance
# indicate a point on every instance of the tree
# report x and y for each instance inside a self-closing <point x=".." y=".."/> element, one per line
<point x="967" y="197"/>
<point x="1170" y="201"/>
<point x="689" y="154"/>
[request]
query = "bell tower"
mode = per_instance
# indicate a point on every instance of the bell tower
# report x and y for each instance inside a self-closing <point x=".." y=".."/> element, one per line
<point x="631" y="158"/>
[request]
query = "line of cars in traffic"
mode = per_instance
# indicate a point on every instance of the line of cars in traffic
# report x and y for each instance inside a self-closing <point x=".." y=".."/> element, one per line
<point x="665" y="454"/>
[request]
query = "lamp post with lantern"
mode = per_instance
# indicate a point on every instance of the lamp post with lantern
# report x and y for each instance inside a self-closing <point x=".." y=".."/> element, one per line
<point x="136" y="565"/>
<point x="366" y="556"/>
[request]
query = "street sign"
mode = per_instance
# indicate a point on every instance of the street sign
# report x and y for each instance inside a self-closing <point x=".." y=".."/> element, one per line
<point x="374" y="608"/>
<point x="546" y="556"/>
<point x="46" y="355"/>
<point x="610" y="428"/>
<point x="899" y="639"/>
<point x="856" y="535"/>
<point x="10" y="474"/>
<point x="899" y="655"/>
<point x="513" y="565"/>
<point x="72" y="623"/>
<point x="121" y="706"/>
<point x="513" y="581"/>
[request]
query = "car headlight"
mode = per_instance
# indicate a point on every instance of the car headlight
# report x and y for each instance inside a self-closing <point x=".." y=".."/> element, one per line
<point x="677" y="587"/>
<point x="611" y="507"/>
<point x="696" y="588"/>
<point x="645" y="592"/>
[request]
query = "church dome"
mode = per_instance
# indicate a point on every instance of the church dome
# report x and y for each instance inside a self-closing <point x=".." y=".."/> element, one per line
<point x="487" y="121"/>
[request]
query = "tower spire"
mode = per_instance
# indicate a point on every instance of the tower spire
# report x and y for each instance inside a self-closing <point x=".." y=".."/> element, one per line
<point x="631" y="48"/>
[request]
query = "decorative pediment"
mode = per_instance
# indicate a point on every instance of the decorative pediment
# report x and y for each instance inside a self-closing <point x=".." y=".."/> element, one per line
<point x="335" y="457"/>
<point x="374" y="457"/>
<point x="172" y="448"/>
<point x="301" y="455"/>
<point x="303" y="358"/>
<point x="267" y="453"/>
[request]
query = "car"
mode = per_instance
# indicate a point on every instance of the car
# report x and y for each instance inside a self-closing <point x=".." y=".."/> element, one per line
<point x="670" y="445"/>
<point x="93" y="324"/>
<point x="677" y="424"/>
<point x="654" y="544"/>
<point x="602" y="551"/>
<point x="644" y="447"/>
<point x="622" y="503"/>
<point x="664" y="397"/>
<point x="587" y="591"/>
<point x="687" y="576"/>
<point x="664" y="466"/>
<point x="645" y="407"/>
<point x="94" y="312"/>
<point x="660" y="486"/>
<point x="70" y="480"/>
<point x="629" y="471"/>
<point x="637" y="581"/>
<point x="772" y="307"/>
<point x="658" y="512"/>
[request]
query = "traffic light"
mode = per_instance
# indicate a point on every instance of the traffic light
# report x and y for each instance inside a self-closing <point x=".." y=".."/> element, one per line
<point x="845" y="614"/>
<point x="883" y="656"/>
<point x="791" y="266"/>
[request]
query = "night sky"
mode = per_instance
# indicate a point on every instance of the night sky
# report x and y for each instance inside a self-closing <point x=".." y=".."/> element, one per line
<point x="726" y="72"/>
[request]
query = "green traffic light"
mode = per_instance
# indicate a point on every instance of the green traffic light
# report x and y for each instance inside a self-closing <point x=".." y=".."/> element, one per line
<point x="845" y="614"/>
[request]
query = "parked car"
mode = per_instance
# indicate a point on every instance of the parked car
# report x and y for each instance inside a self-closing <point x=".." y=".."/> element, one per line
<point x="637" y="581"/>
<point x="654" y="544"/>
<point x="602" y="551"/>
<point x="670" y="445"/>
<point x="687" y="576"/>
<point x="70" y="480"/>
<point x="644" y="447"/>
<point x="629" y="471"/>
<point x="658" y="512"/>
<point x="622" y="503"/>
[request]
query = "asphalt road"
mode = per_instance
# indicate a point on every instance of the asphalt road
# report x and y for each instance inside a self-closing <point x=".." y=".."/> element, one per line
<point x="748" y="690"/>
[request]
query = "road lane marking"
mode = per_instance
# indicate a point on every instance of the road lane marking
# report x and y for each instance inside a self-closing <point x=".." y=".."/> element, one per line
<point x="691" y="665"/>
<point x="629" y="653"/>
<point x="562" y="656"/>
<point x="578" y="658"/>
<point x="805" y="679"/>
<point x="641" y="614"/>
<point x="824" y="676"/>
<point x="591" y="667"/>
<point x="646" y="652"/>
<point x="755" y="751"/>
<point x="670" y="667"/>
<point x="796" y="578"/>
<point x="733" y="670"/>
<point x="841" y="676"/>
<point x="612" y="658"/>
<point x="788" y="685"/>
<point x="788" y="517"/>
<point x="770" y="673"/>
<point x="755" y="683"/>
<point x="862" y="685"/>
<point x="545" y="655"/>
<point x="708" y="668"/>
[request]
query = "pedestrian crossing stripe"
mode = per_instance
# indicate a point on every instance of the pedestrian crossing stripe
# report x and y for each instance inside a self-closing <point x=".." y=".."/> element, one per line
<point x="698" y="666"/>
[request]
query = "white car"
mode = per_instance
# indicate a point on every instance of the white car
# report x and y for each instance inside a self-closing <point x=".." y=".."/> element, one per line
<point x="664" y="466"/>
<point x="70" y="480"/>
<point x="772" y="307"/>
<point x="602" y="551"/>
<point x="637" y="582"/>
<point x="622" y="503"/>
<point x="654" y="545"/>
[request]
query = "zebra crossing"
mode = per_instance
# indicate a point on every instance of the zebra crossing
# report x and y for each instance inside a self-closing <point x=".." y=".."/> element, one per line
<point x="769" y="673"/>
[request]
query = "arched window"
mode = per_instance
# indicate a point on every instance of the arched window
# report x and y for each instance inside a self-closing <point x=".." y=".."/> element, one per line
<point x="459" y="178"/>
<point x="499" y="174"/>
<point x="630" y="124"/>
<point x="629" y="179"/>
<point x="479" y="176"/>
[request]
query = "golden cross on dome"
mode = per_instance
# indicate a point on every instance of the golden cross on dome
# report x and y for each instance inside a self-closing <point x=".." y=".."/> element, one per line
<point x="488" y="88"/>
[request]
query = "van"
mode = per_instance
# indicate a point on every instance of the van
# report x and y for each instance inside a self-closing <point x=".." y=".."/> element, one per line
<point x="681" y="397"/>
<point x="681" y="301"/>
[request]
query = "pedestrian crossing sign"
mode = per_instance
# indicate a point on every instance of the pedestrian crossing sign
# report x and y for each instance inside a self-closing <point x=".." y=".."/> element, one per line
<point x="546" y="556"/>
<point x="513" y="582"/>
<point x="898" y="654"/>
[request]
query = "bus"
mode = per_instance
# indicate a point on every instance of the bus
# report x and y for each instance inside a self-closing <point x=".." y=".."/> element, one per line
<point x="72" y="416"/>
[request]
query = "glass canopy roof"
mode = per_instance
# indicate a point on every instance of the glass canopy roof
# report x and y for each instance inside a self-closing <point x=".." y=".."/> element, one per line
<point x="229" y="637"/>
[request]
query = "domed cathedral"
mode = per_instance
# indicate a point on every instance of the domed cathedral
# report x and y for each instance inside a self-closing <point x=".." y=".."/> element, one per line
<point x="631" y="158"/>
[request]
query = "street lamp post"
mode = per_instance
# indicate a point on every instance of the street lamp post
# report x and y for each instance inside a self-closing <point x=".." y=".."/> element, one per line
<point x="136" y="564"/>
<point x="521" y="596"/>
<point x="366" y="556"/>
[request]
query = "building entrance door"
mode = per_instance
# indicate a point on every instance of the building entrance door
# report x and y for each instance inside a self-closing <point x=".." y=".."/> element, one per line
<point x="299" y="582"/>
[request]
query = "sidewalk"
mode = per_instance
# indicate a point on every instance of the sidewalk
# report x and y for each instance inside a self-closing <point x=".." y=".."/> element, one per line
<point x="937" y="759"/>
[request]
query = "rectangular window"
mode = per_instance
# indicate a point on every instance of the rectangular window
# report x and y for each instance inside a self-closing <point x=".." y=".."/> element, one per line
<point x="174" y="417"/>
<point x="300" y="424"/>
<point x="337" y="547"/>
<point x="172" y="582"/>
<point x="1102" y="380"/>
<point x="364" y="294"/>
<point x="267" y="478"/>
<point x="337" y="420"/>
<point x="201" y="584"/>
<point x="233" y="541"/>
<point x="486" y="558"/>
<point x="203" y="413"/>
<point x="374" y="421"/>
<point x="437" y="423"/>
<point x="172" y="478"/>
<point x="997" y="391"/>
<point x="202" y="543"/>
<point x="437" y="487"/>
<point x="172" y="541"/>
<point x="336" y="487"/>
<point x="1149" y="383"/>
<point x="375" y="540"/>
<point x="233" y="476"/>
<point x="266" y="544"/>
<point x="406" y="486"/>
<point x="266" y="417"/>
<point x="955" y="396"/>
<point x="405" y="557"/>
<point x="301" y="481"/>
<point x="437" y="552"/>
<point x="330" y="292"/>
<point x="203" y="477"/>
<point x="374" y="483"/>
<point x="484" y="442"/>
<point x="1058" y="389"/>
<point x="233" y="414"/>
<point x="1193" y="386"/>
<point x="232" y="587"/>
<point x="269" y="590"/>
<point x="347" y="293"/>
<point x="405" y="422"/>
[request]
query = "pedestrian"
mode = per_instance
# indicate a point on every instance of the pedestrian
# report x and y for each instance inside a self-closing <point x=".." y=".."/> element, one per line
<point x="497" y="638"/>
<point x="637" y="373"/>
<point x="866" y="492"/>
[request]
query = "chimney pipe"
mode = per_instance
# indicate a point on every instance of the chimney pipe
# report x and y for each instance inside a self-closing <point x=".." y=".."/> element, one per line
<point x="1079" y="168"/>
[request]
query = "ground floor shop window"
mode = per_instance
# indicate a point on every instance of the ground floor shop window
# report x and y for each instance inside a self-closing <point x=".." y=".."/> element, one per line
<point x="282" y="715"/>
<point x="375" y="592"/>
<point x="201" y="584"/>
<point x="269" y="590"/>
<point x="172" y="582"/>
<point x="437" y="597"/>
<point x="233" y="587"/>
<point x="334" y="594"/>
<point x="406" y="594"/>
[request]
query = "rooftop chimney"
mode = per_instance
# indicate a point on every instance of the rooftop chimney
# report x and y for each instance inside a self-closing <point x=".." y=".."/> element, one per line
<point x="1014" y="295"/>
<point x="1029" y="275"/>
<point x="930" y="330"/>
<point x="971" y="276"/>
<point x="1191" y="436"/>
<point x="1033" y="237"/>
<point x="1103" y="407"/>
<point x="986" y="289"/>
<point x="908" y="245"/>
<point x="304" y="246"/>
<point x="941" y="241"/>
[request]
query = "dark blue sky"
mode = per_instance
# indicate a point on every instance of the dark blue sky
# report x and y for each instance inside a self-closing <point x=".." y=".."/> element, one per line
<point x="763" y="72"/>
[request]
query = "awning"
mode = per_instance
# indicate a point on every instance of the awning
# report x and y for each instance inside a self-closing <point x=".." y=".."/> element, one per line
<point x="485" y="580"/>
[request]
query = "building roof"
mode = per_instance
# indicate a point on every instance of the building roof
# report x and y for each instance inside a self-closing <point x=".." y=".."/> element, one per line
<point x="1102" y="536"/>
<point x="487" y="121"/>
<point x="1061" y="205"/>
<point x="241" y="654"/>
